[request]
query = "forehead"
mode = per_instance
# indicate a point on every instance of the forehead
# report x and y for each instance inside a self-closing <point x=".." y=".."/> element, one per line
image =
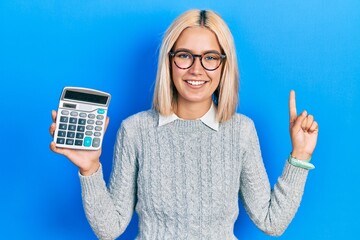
<point x="197" y="39"/>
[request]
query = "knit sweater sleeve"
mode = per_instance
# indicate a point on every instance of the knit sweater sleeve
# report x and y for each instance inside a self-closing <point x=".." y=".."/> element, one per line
<point x="270" y="209"/>
<point x="109" y="210"/>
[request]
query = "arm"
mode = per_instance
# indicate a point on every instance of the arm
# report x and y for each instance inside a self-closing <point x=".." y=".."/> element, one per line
<point x="270" y="210"/>
<point x="109" y="211"/>
<point x="273" y="210"/>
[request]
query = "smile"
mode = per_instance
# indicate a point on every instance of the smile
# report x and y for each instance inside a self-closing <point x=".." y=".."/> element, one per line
<point x="196" y="83"/>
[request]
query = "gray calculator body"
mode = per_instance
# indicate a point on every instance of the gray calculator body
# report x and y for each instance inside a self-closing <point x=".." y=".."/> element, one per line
<point x="81" y="117"/>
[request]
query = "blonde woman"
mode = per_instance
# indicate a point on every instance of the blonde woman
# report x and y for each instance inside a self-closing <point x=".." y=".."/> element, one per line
<point x="183" y="164"/>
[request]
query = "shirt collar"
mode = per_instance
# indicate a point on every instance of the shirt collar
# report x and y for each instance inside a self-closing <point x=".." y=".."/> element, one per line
<point x="209" y="119"/>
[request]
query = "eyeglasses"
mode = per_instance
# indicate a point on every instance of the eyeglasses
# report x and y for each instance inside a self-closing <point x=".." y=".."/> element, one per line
<point x="209" y="60"/>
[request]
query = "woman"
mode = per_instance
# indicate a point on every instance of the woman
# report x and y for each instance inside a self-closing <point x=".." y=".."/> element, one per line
<point x="183" y="164"/>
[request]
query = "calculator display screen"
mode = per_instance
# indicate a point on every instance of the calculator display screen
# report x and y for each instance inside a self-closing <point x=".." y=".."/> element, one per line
<point x="85" y="97"/>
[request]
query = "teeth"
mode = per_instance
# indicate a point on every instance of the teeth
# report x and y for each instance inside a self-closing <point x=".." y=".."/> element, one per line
<point x="196" y="83"/>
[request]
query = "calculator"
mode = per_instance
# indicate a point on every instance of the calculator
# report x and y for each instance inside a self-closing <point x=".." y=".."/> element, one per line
<point x="81" y="117"/>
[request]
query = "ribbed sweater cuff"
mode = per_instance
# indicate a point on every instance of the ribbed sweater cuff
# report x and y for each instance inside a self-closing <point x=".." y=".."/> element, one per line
<point x="93" y="182"/>
<point x="294" y="176"/>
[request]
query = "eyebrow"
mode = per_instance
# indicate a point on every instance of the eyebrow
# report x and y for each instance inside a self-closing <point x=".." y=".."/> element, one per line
<point x="188" y="50"/>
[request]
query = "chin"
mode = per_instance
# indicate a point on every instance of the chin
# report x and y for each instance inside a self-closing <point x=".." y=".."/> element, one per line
<point x="197" y="99"/>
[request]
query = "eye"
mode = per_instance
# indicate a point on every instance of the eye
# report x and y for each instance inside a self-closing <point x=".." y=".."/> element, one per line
<point x="183" y="55"/>
<point x="212" y="57"/>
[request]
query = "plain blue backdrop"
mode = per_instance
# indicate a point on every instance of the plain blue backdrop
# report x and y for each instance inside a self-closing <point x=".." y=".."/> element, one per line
<point x="311" y="46"/>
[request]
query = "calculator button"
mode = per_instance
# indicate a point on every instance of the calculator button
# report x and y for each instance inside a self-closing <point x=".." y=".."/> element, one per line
<point x="70" y="134"/>
<point x="60" y="140"/>
<point x="81" y="128"/>
<point x="65" y="112"/>
<point x="69" y="141"/>
<point x="79" y="135"/>
<point x="98" y="128"/>
<point x="72" y="127"/>
<point x="63" y="126"/>
<point x="100" y="111"/>
<point x="96" y="142"/>
<point x="82" y="115"/>
<point x="87" y="141"/>
<point x="99" y="122"/>
<point x="91" y="115"/>
<point x="90" y="121"/>
<point x="74" y="114"/>
<point x="78" y="142"/>
<point x="82" y="121"/>
<point x="61" y="134"/>
<point x="89" y="127"/>
<point x="88" y="133"/>
<point x="73" y="120"/>
<point x="100" y="117"/>
<point x="97" y="134"/>
<point x="64" y="119"/>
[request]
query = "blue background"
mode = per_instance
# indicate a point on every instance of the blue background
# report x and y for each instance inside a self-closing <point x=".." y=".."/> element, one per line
<point x="311" y="46"/>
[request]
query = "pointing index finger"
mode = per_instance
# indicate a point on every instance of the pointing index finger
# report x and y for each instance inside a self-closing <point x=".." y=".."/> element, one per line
<point x="292" y="107"/>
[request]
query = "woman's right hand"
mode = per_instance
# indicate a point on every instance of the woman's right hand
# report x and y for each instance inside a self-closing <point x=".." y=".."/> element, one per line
<point x="87" y="161"/>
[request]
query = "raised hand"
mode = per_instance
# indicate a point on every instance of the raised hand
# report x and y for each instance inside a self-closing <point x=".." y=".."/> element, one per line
<point x="87" y="160"/>
<point x="303" y="131"/>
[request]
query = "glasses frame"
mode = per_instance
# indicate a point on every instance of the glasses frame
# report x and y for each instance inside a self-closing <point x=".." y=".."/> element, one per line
<point x="194" y="56"/>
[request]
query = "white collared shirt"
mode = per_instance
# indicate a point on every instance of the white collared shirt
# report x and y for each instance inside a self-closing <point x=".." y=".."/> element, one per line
<point x="209" y="119"/>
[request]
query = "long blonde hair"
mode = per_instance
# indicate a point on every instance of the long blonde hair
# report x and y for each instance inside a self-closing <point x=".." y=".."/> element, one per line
<point x="226" y="96"/>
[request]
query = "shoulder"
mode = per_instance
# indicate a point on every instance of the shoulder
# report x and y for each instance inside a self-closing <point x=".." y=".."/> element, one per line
<point x="238" y="117"/>
<point x="243" y="128"/>
<point x="141" y="120"/>
<point x="240" y="121"/>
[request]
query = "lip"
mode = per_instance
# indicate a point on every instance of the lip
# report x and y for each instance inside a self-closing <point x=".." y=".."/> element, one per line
<point x="195" y="83"/>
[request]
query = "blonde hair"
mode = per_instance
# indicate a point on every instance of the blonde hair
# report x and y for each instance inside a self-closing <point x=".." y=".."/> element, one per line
<point x="226" y="95"/>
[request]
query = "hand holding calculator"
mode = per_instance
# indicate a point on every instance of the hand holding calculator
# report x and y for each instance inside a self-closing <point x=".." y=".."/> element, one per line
<point x="81" y="118"/>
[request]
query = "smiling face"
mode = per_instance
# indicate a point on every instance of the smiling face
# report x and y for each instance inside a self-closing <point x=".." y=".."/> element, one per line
<point x="196" y="85"/>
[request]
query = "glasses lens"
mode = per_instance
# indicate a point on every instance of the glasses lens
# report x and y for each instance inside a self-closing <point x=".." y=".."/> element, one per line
<point x="183" y="59"/>
<point x="211" y="61"/>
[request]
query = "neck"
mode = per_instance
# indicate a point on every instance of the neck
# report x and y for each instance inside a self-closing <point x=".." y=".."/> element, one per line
<point x="192" y="111"/>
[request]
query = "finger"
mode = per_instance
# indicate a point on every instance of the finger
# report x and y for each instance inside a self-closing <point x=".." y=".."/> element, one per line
<point x="56" y="149"/>
<point x="53" y="115"/>
<point x="314" y="127"/>
<point x="106" y="123"/>
<point x="303" y="123"/>
<point x="52" y="129"/>
<point x="309" y="121"/>
<point x="292" y="107"/>
<point x="298" y="124"/>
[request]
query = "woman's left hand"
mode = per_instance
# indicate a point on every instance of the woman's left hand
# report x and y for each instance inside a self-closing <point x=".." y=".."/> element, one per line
<point x="303" y="131"/>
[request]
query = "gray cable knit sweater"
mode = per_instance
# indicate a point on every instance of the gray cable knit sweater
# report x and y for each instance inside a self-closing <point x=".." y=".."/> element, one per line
<point x="184" y="180"/>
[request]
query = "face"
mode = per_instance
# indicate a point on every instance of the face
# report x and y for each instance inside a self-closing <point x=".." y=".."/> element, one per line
<point x="196" y="84"/>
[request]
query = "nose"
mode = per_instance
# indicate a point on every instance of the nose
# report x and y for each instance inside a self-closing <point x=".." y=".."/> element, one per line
<point x="196" y="68"/>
